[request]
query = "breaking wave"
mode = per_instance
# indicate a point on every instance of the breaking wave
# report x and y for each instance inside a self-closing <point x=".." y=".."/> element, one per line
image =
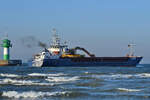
<point x="143" y="75"/>
<point x="8" y="75"/>
<point x="30" y="94"/>
<point x="123" y="76"/>
<point x="40" y="74"/>
<point x="62" y="79"/>
<point x="128" y="90"/>
<point x="33" y="94"/>
<point x="22" y="82"/>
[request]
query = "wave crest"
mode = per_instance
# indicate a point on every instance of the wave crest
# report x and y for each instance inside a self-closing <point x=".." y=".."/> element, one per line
<point x="128" y="90"/>
<point x="30" y="94"/>
<point x="62" y="79"/>
<point x="41" y="74"/>
<point x="22" y="82"/>
<point x="122" y="76"/>
<point x="9" y="75"/>
<point x="33" y="94"/>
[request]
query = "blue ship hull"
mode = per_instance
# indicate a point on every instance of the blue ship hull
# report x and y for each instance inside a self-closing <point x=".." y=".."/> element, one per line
<point x="96" y="61"/>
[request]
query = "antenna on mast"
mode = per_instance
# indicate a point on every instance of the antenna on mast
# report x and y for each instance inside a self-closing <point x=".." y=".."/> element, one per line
<point x="131" y="49"/>
<point x="55" y="38"/>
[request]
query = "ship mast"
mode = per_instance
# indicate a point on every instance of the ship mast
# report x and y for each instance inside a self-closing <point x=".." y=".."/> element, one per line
<point x="131" y="49"/>
<point x="55" y="38"/>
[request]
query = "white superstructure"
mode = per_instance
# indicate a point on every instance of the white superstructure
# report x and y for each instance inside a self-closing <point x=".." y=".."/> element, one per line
<point x="54" y="52"/>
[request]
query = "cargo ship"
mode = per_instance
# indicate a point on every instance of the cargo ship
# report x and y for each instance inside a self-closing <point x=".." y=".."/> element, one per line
<point x="59" y="54"/>
<point x="6" y="44"/>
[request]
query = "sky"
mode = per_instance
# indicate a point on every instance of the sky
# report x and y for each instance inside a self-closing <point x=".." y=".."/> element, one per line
<point x="104" y="27"/>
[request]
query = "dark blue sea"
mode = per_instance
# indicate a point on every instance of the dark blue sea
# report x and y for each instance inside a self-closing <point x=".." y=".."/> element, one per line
<point x="75" y="83"/>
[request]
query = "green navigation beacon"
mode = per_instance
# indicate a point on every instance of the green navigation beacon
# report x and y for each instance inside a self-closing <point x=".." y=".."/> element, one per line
<point x="6" y="45"/>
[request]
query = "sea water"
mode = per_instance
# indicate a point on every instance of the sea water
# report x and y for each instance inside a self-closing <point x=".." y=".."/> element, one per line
<point x="75" y="83"/>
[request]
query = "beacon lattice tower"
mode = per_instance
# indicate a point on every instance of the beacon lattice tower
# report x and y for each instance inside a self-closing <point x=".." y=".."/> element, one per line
<point x="6" y="45"/>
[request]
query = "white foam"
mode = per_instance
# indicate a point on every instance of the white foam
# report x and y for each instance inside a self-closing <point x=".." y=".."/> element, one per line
<point x="128" y="90"/>
<point x="41" y="74"/>
<point x="123" y="76"/>
<point x="86" y="72"/>
<point x="30" y="94"/>
<point x="9" y="75"/>
<point x="143" y="75"/>
<point x="22" y="82"/>
<point x="115" y="76"/>
<point x="62" y="79"/>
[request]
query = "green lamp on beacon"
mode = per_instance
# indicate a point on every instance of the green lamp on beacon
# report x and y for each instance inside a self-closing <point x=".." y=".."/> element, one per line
<point x="6" y="45"/>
